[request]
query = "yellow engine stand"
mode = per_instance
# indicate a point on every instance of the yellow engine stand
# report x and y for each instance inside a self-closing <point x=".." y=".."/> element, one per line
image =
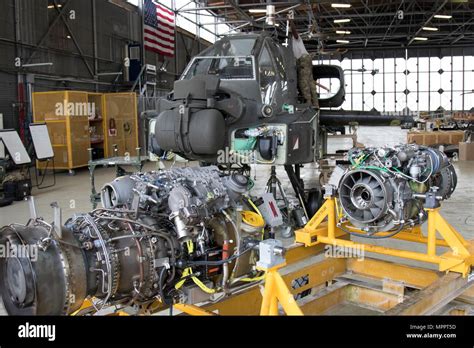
<point x="459" y="259"/>
<point x="276" y="291"/>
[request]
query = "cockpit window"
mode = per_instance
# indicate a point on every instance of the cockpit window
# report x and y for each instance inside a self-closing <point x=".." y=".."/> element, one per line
<point x="227" y="68"/>
<point x="231" y="47"/>
<point x="267" y="76"/>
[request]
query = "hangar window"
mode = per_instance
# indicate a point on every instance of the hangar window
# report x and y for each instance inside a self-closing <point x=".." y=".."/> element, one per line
<point x="267" y="76"/>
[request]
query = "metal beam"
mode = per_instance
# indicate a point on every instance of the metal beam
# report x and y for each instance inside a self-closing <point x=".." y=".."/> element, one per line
<point x="45" y="35"/>
<point x="223" y="7"/>
<point x="439" y="8"/>
<point x="61" y="14"/>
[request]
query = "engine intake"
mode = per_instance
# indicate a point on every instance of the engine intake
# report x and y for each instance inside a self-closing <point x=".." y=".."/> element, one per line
<point x="379" y="192"/>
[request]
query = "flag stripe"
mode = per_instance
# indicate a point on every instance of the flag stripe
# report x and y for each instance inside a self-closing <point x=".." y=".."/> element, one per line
<point x="165" y="10"/>
<point x="166" y="30"/>
<point x="150" y="32"/>
<point x="169" y="21"/>
<point x="158" y="41"/>
<point x="166" y="25"/>
<point x="159" y="49"/>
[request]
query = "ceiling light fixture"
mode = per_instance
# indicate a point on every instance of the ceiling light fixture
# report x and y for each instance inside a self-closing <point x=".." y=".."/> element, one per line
<point x="342" y="41"/>
<point x="430" y="29"/>
<point x="343" y="32"/>
<point x="345" y="20"/>
<point x="341" y="5"/>
<point x="443" y="16"/>
<point x="419" y="38"/>
<point x="258" y="10"/>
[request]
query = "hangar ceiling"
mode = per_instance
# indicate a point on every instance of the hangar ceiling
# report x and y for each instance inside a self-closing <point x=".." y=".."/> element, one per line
<point x="360" y="25"/>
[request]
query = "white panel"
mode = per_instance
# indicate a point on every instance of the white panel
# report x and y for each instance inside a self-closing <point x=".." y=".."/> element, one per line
<point x="446" y="64"/>
<point x="423" y="101"/>
<point x="389" y="82"/>
<point x="41" y="141"/>
<point x="423" y="82"/>
<point x="411" y="82"/>
<point x="15" y="147"/>
<point x="412" y="64"/>
<point x="378" y="102"/>
<point x="357" y="101"/>
<point x="389" y="65"/>
<point x="423" y="64"/>
<point x="435" y="64"/>
<point x="400" y="79"/>
<point x="435" y="82"/>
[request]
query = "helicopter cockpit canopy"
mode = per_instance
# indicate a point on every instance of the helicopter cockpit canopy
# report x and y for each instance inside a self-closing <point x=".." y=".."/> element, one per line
<point x="249" y="64"/>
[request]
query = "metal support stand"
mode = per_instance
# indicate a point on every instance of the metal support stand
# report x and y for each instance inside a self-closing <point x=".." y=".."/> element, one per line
<point x="277" y="291"/>
<point x="118" y="162"/>
<point x="39" y="184"/>
<point x="271" y="260"/>
<point x="273" y="184"/>
<point x="192" y="310"/>
<point x="459" y="259"/>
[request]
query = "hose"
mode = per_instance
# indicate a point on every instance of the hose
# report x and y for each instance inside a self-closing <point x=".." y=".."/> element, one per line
<point x="251" y="280"/>
<point x="220" y="230"/>
<point x="188" y="272"/>
<point x="166" y="301"/>
<point x="254" y="207"/>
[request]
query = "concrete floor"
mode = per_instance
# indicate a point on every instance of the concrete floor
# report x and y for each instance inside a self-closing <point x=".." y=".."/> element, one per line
<point x="72" y="192"/>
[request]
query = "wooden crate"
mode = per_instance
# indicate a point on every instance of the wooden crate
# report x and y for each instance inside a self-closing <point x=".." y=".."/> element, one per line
<point x="438" y="137"/>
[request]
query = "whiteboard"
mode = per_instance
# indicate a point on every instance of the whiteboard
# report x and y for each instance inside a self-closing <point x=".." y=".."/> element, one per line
<point x="14" y="146"/>
<point x="41" y="141"/>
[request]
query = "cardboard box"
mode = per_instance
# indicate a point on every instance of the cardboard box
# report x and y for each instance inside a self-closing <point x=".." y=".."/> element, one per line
<point x="466" y="151"/>
<point x="438" y="137"/>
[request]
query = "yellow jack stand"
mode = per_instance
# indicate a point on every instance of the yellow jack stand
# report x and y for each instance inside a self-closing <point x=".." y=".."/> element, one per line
<point x="459" y="259"/>
<point x="276" y="291"/>
<point x="192" y="310"/>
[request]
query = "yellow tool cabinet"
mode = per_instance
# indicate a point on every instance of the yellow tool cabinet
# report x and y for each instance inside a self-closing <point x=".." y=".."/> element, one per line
<point x="78" y="121"/>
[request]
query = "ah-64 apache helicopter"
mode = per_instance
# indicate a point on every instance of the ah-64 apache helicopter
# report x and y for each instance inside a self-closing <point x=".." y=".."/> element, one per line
<point x="240" y="96"/>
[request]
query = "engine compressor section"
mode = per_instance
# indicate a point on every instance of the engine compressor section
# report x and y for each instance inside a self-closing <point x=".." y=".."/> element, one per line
<point x="176" y="235"/>
<point x="383" y="189"/>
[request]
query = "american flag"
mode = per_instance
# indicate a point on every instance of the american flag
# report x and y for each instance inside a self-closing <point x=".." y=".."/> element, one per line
<point x="159" y="30"/>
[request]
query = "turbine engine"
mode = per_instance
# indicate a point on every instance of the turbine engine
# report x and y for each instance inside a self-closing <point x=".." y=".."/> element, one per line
<point x="380" y="193"/>
<point x="173" y="235"/>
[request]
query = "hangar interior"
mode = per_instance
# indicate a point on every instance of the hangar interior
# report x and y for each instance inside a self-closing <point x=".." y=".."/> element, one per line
<point x="404" y="74"/>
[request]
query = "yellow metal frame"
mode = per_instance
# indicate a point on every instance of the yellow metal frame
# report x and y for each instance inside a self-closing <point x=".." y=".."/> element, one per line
<point x="192" y="310"/>
<point x="384" y="292"/>
<point x="459" y="259"/>
<point x="276" y="291"/>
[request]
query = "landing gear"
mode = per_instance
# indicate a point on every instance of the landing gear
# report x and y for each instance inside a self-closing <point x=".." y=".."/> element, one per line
<point x="310" y="202"/>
